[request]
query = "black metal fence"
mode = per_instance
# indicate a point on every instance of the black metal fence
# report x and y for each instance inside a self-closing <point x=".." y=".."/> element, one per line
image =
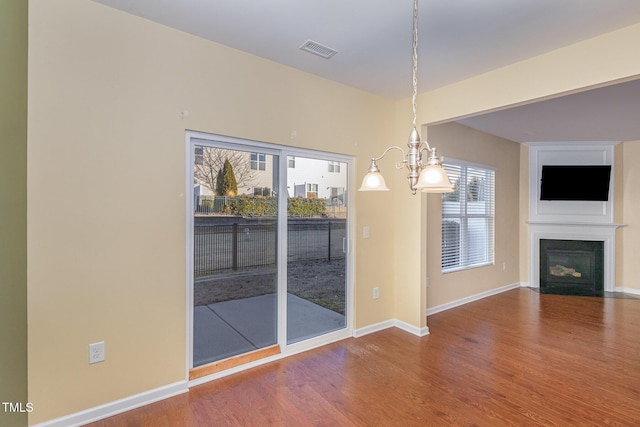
<point x="223" y="244"/>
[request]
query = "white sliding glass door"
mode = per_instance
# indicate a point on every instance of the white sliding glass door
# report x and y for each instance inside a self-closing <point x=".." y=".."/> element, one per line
<point x="317" y="247"/>
<point x="268" y="250"/>
<point x="235" y="252"/>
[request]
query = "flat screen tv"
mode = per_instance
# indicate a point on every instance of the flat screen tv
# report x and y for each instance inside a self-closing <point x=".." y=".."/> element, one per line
<point x="584" y="182"/>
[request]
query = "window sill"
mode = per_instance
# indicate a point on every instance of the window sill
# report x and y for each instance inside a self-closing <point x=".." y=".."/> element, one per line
<point x="466" y="267"/>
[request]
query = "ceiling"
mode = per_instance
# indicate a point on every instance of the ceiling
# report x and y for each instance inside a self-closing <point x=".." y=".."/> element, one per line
<point x="458" y="39"/>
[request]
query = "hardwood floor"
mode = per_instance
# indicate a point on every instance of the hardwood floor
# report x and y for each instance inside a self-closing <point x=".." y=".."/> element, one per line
<point x="515" y="359"/>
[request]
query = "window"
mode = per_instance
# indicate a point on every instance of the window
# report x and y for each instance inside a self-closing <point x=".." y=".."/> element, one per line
<point x="468" y="218"/>
<point x="291" y="162"/>
<point x="199" y="153"/>
<point x="334" y="167"/>
<point x="261" y="191"/>
<point x="312" y="191"/>
<point x="258" y="161"/>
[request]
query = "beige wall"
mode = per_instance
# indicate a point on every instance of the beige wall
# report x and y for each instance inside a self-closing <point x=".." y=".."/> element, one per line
<point x="524" y="214"/>
<point x="106" y="142"/>
<point x="107" y="181"/>
<point x="13" y="208"/>
<point x="628" y="237"/>
<point x="463" y="143"/>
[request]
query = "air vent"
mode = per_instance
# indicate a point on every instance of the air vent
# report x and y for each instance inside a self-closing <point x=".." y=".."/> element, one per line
<point x="318" y="49"/>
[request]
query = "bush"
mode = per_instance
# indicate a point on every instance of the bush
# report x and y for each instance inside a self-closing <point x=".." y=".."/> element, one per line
<point x="268" y="206"/>
<point x="254" y="206"/>
<point x="302" y="207"/>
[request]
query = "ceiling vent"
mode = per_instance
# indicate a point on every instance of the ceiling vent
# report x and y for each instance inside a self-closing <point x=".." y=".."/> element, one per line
<point x="318" y="49"/>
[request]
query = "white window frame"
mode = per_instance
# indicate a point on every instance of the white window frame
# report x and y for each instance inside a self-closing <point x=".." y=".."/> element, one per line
<point x="463" y="210"/>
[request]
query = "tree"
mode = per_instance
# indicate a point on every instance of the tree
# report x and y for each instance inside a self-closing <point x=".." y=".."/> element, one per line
<point x="211" y="162"/>
<point x="219" y="191"/>
<point x="229" y="183"/>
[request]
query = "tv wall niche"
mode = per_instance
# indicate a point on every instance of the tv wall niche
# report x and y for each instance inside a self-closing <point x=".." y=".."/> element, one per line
<point x="592" y="207"/>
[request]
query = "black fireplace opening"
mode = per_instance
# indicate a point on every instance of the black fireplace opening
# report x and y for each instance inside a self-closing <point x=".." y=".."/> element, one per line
<point x="572" y="267"/>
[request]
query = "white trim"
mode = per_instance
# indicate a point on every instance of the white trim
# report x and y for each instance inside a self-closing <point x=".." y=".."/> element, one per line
<point x="357" y="333"/>
<point x="393" y="323"/>
<point x="630" y="291"/>
<point x="572" y="153"/>
<point x="420" y="332"/>
<point x="118" y="406"/>
<point x="466" y="300"/>
<point x="190" y="156"/>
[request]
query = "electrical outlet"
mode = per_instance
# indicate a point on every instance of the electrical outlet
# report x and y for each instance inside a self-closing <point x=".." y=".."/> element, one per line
<point x="96" y="352"/>
<point x="504" y="266"/>
<point x="365" y="232"/>
<point x="376" y="293"/>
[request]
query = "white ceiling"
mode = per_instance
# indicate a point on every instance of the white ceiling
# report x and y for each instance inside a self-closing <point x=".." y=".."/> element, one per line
<point x="458" y="39"/>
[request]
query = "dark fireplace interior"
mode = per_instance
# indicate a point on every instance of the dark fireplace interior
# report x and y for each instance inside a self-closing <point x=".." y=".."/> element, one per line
<point x="572" y="267"/>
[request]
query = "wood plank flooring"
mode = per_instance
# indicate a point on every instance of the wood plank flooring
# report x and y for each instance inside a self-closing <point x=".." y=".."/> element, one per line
<point x="515" y="359"/>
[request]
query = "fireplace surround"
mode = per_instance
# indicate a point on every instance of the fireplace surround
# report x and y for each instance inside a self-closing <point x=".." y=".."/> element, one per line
<point x="589" y="222"/>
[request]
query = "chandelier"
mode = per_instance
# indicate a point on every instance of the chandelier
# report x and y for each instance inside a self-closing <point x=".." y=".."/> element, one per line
<point x="429" y="176"/>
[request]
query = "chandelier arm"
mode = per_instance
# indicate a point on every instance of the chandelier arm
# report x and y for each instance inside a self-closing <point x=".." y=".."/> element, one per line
<point x="424" y="146"/>
<point x="394" y="147"/>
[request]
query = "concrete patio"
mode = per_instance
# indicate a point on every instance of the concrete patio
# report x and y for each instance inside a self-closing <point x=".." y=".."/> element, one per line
<point x="229" y="328"/>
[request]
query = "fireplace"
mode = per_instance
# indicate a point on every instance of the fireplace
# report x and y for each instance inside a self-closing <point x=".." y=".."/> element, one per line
<point x="572" y="267"/>
<point x="589" y="266"/>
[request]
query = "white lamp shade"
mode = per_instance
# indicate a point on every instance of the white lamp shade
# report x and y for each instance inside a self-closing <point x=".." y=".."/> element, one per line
<point x="437" y="190"/>
<point x="434" y="179"/>
<point x="373" y="181"/>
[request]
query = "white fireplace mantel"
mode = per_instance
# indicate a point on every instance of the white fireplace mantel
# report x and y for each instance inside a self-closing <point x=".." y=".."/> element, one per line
<point x="605" y="233"/>
<point x="570" y="220"/>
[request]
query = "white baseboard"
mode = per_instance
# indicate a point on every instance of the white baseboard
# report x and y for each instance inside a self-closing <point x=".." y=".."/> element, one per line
<point x="457" y="303"/>
<point x="117" y="407"/>
<point x="357" y="333"/>
<point x="628" y="291"/>
<point x="425" y="331"/>
<point x="421" y="332"/>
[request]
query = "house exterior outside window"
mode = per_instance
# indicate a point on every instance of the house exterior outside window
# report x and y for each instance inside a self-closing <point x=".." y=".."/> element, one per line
<point x="258" y="161"/>
<point x="468" y="217"/>
<point x="334" y="167"/>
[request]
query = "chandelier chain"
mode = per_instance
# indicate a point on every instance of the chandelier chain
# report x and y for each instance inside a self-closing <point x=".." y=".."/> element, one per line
<point x="415" y="59"/>
<point x="428" y="176"/>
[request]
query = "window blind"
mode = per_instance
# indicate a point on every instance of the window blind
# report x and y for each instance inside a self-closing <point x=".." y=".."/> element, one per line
<point x="468" y="218"/>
